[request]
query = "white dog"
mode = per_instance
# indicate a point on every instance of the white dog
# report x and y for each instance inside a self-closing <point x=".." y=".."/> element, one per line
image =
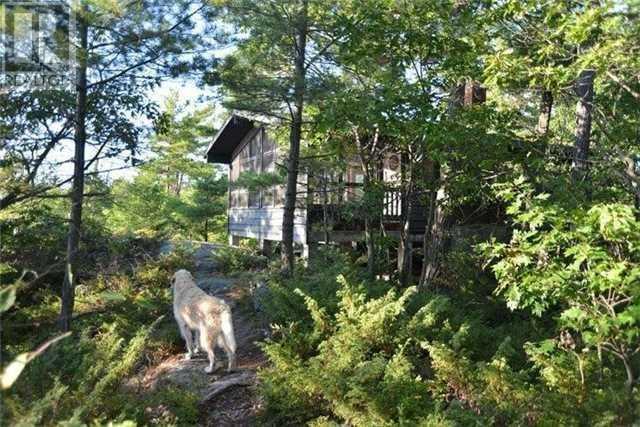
<point x="209" y="317"/>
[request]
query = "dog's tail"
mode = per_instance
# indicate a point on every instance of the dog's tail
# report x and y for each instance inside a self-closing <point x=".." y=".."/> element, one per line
<point x="229" y="337"/>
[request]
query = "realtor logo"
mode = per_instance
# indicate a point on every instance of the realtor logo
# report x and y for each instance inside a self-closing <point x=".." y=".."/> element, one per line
<point x="37" y="50"/>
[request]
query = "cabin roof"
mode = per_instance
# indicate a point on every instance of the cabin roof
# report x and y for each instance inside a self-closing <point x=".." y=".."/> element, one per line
<point x="228" y="137"/>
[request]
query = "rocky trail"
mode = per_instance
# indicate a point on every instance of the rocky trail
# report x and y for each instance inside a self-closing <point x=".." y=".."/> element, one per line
<point x="226" y="399"/>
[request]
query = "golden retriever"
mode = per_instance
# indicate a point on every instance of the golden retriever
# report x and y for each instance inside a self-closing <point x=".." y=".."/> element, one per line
<point x="202" y="319"/>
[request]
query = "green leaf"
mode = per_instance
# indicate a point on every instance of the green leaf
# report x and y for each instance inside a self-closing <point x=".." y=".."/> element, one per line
<point x="12" y="371"/>
<point x="630" y="316"/>
<point x="573" y="316"/>
<point x="7" y="298"/>
<point x="111" y="296"/>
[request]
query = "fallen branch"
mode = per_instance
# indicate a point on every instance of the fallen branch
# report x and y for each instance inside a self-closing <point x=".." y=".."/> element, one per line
<point x="243" y="379"/>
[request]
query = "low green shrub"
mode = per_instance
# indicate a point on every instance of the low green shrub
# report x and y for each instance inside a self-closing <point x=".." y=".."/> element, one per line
<point x="231" y="259"/>
<point x="356" y="352"/>
<point x="578" y="265"/>
<point x="353" y="366"/>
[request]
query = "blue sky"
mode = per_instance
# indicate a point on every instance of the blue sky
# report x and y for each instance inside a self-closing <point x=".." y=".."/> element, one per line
<point x="188" y="90"/>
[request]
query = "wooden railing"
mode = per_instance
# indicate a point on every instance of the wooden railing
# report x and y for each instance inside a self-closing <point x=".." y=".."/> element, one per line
<point x="392" y="204"/>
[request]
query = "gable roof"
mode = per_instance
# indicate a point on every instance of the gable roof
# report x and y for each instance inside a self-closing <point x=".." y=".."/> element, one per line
<point x="232" y="132"/>
<point x="228" y="137"/>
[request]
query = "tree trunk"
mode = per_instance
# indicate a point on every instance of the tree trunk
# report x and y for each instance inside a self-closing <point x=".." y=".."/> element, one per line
<point x="295" y="135"/>
<point x="369" y="197"/>
<point x="369" y="239"/>
<point x="544" y="116"/>
<point x="404" y="246"/>
<point x="77" y="192"/>
<point x="206" y="230"/>
<point x="434" y="239"/>
<point x="178" y="183"/>
<point x="325" y="207"/>
<point x="584" y="90"/>
<point x="436" y="229"/>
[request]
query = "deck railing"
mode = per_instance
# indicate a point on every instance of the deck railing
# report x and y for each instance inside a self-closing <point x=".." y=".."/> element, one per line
<point x="392" y="204"/>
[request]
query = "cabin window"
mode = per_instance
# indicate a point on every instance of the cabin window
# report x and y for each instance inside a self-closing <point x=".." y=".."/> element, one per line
<point x="243" y="198"/>
<point x="250" y="156"/>
<point x="245" y="159"/>
<point x="257" y="155"/>
<point x="256" y="152"/>
<point x="268" y="165"/>
<point x="268" y="144"/>
<point x="268" y="161"/>
<point x="254" y="199"/>
<point x="268" y="153"/>
<point x="235" y="199"/>
<point x="354" y="178"/>
<point x="391" y="168"/>
<point x="254" y="145"/>
<point x="268" y="197"/>
<point x="279" y="195"/>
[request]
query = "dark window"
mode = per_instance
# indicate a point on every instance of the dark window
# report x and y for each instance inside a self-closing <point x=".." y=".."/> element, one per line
<point x="254" y="199"/>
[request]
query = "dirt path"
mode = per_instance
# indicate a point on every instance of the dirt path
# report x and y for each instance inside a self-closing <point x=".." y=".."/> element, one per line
<point x="236" y="405"/>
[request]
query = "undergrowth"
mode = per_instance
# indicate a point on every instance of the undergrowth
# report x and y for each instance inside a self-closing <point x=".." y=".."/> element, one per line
<point x="241" y="259"/>
<point x="347" y="350"/>
<point x="124" y="323"/>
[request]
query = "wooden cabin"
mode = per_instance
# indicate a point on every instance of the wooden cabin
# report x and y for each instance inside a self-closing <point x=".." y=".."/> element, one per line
<point x="247" y="144"/>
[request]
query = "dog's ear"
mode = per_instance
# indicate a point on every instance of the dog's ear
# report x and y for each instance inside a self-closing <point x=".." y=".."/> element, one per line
<point x="173" y="280"/>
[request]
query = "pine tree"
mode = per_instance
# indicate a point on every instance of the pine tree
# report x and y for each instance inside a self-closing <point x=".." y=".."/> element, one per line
<point x="118" y="45"/>
<point x="276" y="71"/>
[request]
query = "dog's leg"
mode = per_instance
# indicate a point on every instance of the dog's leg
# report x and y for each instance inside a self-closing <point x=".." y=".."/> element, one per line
<point x="212" y="361"/>
<point x="207" y="342"/>
<point x="231" y="356"/>
<point x="227" y="340"/>
<point x="196" y="341"/>
<point x="188" y="339"/>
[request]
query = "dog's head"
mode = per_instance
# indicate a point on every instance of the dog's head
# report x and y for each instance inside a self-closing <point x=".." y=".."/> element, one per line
<point x="179" y="277"/>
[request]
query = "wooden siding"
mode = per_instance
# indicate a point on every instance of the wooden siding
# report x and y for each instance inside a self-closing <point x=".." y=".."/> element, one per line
<point x="259" y="214"/>
<point x="265" y="223"/>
